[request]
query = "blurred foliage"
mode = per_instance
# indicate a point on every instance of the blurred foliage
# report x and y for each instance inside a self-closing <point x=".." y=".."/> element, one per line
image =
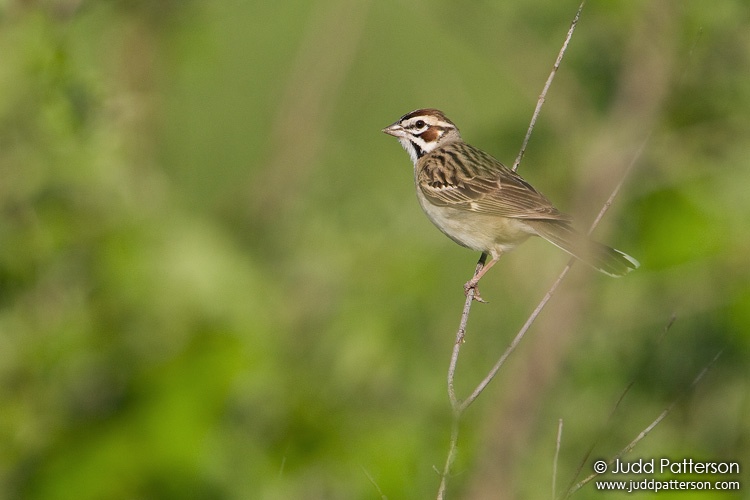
<point x="215" y="281"/>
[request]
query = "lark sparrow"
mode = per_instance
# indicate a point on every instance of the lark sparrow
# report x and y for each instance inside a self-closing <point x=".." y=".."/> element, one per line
<point x="481" y="204"/>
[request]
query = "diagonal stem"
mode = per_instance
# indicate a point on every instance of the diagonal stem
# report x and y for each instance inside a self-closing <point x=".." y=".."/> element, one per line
<point x="650" y="426"/>
<point x="543" y="95"/>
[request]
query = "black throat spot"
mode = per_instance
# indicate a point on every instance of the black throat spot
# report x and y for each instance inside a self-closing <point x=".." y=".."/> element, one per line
<point x="419" y="151"/>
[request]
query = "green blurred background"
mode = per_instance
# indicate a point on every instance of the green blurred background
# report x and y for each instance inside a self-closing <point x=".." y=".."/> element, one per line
<point x="215" y="280"/>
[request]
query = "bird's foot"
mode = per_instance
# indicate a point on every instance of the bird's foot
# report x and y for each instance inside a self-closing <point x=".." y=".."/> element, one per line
<point x="471" y="285"/>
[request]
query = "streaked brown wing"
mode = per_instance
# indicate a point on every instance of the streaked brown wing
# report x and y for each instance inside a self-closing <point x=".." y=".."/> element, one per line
<point x="464" y="177"/>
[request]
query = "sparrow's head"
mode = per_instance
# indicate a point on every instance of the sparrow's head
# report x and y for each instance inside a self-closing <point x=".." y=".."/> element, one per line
<point x="423" y="130"/>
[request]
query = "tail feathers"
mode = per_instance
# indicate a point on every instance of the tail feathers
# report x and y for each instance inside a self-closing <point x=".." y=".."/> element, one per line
<point x="601" y="257"/>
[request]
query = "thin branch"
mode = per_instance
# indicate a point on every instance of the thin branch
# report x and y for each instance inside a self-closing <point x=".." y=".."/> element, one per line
<point x="619" y="185"/>
<point x="666" y="329"/>
<point x="612" y="412"/>
<point x="651" y="426"/>
<point x="460" y="334"/>
<point x="458" y="406"/>
<point x="455" y="403"/>
<point x="372" y="480"/>
<point x="522" y="332"/>
<point x="590" y="450"/>
<point x="517" y="339"/>
<point x="452" y="450"/>
<point x="557" y="455"/>
<point x="543" y="95"/>
<point x="648" y="429"/>
<point x="519" y="336"/>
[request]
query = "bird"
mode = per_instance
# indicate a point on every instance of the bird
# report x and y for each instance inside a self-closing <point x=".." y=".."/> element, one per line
<point x="483" y="205"/>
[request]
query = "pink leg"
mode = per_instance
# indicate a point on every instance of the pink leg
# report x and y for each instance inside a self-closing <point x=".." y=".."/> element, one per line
<point x="472" y="283"/>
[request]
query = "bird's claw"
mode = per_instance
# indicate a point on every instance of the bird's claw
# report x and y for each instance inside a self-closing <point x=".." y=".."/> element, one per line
<point x="472" y="285"/>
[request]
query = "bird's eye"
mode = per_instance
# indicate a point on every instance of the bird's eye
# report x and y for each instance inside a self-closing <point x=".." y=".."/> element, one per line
<point x="419" y="123"/>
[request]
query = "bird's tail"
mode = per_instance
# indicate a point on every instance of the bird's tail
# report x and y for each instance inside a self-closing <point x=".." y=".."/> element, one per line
<point x="601" y="257"/>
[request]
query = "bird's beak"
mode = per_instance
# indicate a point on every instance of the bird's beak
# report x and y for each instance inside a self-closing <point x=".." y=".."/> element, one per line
<point x="395" y="130"/>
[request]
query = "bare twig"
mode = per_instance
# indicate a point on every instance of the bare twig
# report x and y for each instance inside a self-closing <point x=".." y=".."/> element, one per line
<point x="457" y="405"/>
<point x="553" y="288"/>
<point x="517" y="339"/>
<point x="372" y="480"/>
<point x="557" y="455"/>
<point x="650" y="427"/>
<point x="519" y="336"/>
<point x="460" y="406"/>
<point x="590" y="450"/>
<point x="612" y="412"/>
<point x="617" y="188"/>
<point x="452" y="449"/>
<point x="543" y="95"/>
<point x="460" y="334"/>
